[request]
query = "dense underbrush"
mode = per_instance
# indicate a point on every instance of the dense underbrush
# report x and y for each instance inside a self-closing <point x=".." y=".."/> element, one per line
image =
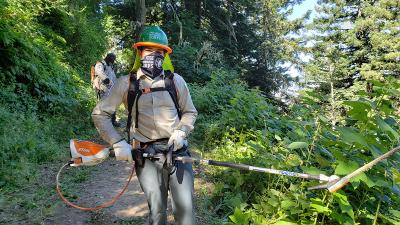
<point x="45" y="98"/>
<point x="239" y="125"/>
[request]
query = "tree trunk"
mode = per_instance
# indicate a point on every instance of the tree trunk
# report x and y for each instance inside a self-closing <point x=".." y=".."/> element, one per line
<point x="140" y="17"/>
<point x="333" y="102"/>
<point x="194" y="6"/>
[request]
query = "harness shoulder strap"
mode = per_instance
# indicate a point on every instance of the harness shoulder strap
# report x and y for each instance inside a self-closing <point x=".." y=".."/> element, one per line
<point x="133" y="91"/>
<point x="134" y="94"/>
<point x="171" y="88"/>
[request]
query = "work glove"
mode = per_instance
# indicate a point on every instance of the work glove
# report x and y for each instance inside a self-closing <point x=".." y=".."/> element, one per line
<point x="177" y="139"/>
<point x="123" y="151"/>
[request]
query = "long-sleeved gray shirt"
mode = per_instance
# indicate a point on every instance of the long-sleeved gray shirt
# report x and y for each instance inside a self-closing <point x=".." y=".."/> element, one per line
<point x="158" y="117"/>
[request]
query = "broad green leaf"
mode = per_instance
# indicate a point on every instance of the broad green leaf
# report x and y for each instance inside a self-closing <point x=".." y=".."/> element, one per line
<point x="386" y="107"/>
<point x="385" y="127"/>
<point x="312" y="170"/>
<point x="274" y="201"/>
<point x="344" y="203"/>
<point x="364" y="178"/>
<point x="382" y="182"/>
<point x="286" y="204"/>
<point x="256" y="145"/>
<point x="300" y="132"/>
<point x="395" y="213"/>
<point x="325" y="152"/>
<point x="358" y="109"/>
<point x="320" y="208"/>
<point x="275" y="192"/>
<point x="396" y="176"/>
<point x="361" y="104"/>
<point x="342" y="218"/>
<point x="344" y="168"/>
<point x="351" y="136"/>
<point x="393" y="220"/>
<point x="322" y="161"/>
<point x="390" y="121"/>
<point x="297" y="145"/>
<point x="239" y="217"/>
<point x="376" y="152"/>
<point x="234" y="201"/>
<point x="323" y="118"/>
<point x="294" y="160"/>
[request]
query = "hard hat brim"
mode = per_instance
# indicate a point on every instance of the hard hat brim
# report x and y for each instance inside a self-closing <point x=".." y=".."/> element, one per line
<point x="152" y="44"/>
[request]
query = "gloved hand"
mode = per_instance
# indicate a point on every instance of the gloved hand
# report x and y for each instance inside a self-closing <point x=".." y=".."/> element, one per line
<point x="177" y="139"/>
<point x="123" y="151"/>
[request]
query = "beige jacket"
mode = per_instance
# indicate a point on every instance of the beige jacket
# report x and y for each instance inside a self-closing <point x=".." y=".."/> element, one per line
<point x="158" y="117"/>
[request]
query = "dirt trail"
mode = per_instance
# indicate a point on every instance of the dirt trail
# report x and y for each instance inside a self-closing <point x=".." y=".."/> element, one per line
<point x="105" y="182"/>
<point x="88" y="187"/>
<point x="91" y="186"/>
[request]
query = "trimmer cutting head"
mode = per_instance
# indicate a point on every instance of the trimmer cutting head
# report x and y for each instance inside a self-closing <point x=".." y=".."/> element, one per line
<point x="332" y="180"/>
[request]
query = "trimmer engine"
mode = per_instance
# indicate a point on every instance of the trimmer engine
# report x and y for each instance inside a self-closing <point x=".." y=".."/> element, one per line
<point x="87" y="153"/>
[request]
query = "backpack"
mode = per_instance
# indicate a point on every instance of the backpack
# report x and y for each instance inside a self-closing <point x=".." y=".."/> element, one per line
<point x="93" y="74"/>
<point x="134" y="94"/>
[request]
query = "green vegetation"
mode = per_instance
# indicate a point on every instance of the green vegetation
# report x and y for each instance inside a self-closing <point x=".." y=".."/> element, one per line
<point x="304" y="140"/>
<point x="46" y="48"/>
<point x="232" y="54"/>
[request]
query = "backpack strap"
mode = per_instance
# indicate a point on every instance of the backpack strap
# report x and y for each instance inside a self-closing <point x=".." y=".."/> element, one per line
<point x="134" y="94"/>
<point x="132" y="97"/>
<point x="171" y="88"/>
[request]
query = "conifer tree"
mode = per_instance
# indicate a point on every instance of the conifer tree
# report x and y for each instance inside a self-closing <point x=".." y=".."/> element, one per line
<point x="364" y="33"/>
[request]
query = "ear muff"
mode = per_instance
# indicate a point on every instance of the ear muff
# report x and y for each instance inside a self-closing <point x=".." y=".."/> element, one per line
<point x="167" y="64"/>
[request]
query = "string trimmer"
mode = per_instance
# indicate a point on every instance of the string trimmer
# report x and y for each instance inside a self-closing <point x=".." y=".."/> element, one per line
<point x="86" y="153"/>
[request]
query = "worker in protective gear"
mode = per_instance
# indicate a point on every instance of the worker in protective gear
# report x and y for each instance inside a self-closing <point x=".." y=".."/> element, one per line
<point x="105" y="79"/>
<point x="164" y="117"/>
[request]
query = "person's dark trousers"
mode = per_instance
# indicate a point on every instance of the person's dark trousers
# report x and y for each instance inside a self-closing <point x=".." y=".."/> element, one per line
<point x="155" y="179"/>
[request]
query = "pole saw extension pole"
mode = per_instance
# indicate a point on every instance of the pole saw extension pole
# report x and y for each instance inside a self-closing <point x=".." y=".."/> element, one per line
<point x="321" y="177"/>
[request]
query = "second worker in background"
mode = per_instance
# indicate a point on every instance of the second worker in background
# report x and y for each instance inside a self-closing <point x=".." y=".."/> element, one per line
<point x="104" y="79"/>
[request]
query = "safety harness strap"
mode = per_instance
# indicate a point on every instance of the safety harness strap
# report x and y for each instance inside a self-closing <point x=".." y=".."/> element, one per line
<point x="134" y="94"/>
<point x="170" y="86"/>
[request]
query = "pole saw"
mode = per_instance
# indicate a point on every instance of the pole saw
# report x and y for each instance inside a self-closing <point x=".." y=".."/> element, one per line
<point x="87" y="153"/>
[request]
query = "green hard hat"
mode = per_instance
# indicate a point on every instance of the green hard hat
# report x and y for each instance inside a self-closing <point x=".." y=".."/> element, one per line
<point x="153" y="36"/>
